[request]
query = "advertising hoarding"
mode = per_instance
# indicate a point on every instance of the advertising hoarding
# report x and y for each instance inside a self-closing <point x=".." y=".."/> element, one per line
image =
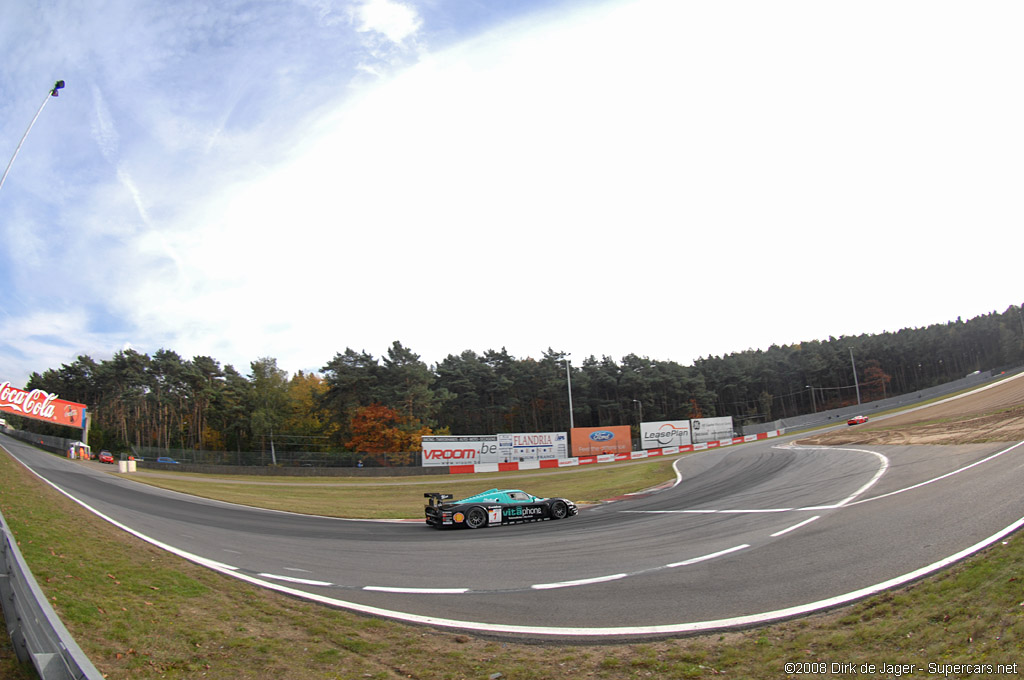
<point x="525" y="446"/>
<point x="591" y="441"/>
<point x="41" y="405"/>
<point x="456" y="450"/>
<point x="657" y="435"/>
<point x="513" y="447"/>
<point x="711" y="429"/>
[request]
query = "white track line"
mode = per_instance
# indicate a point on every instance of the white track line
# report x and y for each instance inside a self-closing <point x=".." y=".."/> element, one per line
<point x="580" y="582"/>
<point x="566" y="631"/>
<point x="705" y="558"/>
<point x="941" y="477"/>
<point x="795" y="526"/>
<point x="418" y="591"/>
<point x="300" y="581"/>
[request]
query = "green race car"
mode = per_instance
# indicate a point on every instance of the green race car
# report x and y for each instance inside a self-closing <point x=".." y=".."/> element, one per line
<point x="494" y="508"/>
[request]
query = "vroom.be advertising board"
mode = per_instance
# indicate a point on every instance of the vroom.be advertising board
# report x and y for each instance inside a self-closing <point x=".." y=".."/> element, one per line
<point x="455" y="450"/>
<point x="516" y="447"/>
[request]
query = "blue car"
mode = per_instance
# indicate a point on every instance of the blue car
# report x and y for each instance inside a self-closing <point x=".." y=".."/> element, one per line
<point x="165" y="459"/>
<point x="494" y="508"/>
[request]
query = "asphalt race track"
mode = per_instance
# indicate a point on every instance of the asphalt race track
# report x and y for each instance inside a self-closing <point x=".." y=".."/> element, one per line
<point x="746" y="534"/>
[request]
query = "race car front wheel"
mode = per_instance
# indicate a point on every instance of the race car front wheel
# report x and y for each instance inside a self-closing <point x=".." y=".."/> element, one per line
<point x="559" y="510"/>
<point x="476" y="518"/>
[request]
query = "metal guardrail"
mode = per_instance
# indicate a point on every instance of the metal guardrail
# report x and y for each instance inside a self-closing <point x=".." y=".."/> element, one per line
<point x="37" y="632"/>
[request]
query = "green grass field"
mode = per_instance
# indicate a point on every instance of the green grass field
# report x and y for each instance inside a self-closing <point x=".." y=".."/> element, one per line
<point x="399" y="498"/>
<point x="141" y="613"/>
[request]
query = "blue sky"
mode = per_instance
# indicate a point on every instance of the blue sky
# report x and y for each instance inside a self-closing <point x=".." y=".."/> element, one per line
<point x="672" y="179"/>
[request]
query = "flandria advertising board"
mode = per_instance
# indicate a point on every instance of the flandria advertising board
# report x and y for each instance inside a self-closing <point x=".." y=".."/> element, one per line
<point x="527" y="446"/>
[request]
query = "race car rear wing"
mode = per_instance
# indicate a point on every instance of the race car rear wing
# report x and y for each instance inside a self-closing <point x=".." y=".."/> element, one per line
<point x="437" y="498"/>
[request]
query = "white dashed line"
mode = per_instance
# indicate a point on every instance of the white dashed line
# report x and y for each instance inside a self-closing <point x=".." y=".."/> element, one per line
<point x="795" y="526"/>
<point x="292" y="579"/>
<point x="581" y="582"/>
<point x="419" y="591"/>
<point x="704" y="558"/>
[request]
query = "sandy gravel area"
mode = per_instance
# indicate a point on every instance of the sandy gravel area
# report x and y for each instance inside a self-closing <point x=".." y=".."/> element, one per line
<point x="992" y="414"/>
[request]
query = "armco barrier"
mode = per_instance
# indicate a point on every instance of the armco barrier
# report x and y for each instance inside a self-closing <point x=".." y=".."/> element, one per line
<point x="606" y="458"/>
<point x="38" y="635"/>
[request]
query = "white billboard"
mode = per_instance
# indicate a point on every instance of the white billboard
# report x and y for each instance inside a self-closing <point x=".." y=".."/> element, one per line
<point x="658" y="435"/>
<point x="525" y="446"/>
<point x="480" y="449"/>
<point x="711" y="429"/>
<point x="456" y="450"/>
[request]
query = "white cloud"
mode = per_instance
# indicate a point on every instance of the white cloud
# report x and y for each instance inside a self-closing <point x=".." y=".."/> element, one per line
<point x="669" y="179"/>
<point x="104" y="131"/>
<point x="394" y="20"/>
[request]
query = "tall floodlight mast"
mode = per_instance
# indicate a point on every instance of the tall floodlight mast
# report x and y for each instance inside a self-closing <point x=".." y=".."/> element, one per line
<point x="59" y="85"/>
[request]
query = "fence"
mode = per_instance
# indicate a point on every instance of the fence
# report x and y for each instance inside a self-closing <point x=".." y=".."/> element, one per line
<point x="38" y="635"/>
<point x="43" y="441"/>
<point x="313" y="459"/>
<point x="840" y="415"/>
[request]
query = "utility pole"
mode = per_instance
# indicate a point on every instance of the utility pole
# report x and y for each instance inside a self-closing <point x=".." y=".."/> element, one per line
<point x="855" y="383"/>
<point x="568" y="385"/>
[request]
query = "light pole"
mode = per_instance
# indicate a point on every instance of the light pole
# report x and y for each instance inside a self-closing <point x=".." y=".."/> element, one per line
<point x="855" y="383"/>
<point x="59" y="85"/>
<point x="640" y="421"/>
<point x="568" y="385"/>
<point x="813" y="404"/>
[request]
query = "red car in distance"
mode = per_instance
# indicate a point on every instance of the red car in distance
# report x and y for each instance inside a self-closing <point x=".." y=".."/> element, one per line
<point x="857" y="420"/>
<point x="106" y="457"/>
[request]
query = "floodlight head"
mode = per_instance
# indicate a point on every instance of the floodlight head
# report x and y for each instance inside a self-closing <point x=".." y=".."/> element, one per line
<point x="59" y="85"/>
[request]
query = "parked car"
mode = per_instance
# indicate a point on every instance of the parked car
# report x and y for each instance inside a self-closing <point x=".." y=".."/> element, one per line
<point x="493" y="508"/>
<point x="106" y="457"/>
<point x="857" y="420"/>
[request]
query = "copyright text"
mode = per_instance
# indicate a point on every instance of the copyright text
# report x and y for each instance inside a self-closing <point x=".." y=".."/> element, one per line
<point x="898" y="670"/>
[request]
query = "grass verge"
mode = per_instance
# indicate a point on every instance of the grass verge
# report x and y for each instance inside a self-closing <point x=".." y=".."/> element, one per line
<point x="140" y="613"/>
<point x="377" y="498"/>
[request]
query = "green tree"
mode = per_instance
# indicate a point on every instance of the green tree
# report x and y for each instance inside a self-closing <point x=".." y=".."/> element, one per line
<point x="271" y="403"/>
<point x="405" y="384"/>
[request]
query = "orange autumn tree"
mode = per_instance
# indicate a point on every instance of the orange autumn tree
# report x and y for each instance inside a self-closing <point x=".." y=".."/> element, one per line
<point x="378" y="430"/>
<point x="876" y="381"/>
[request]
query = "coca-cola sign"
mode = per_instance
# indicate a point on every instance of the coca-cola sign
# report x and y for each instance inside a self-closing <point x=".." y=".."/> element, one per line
<point x="41" y="405"/>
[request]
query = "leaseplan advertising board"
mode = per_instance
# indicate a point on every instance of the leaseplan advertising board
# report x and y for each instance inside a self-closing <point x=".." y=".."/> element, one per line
<point x="501" y="448"/>
<point x="661" y="434"/>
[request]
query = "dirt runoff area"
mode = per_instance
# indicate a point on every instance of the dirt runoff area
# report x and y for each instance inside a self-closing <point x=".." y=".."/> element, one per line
<point x="993" y="413"/>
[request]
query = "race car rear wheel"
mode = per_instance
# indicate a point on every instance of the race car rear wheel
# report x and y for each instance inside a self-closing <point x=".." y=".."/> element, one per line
<point x="559" y="510"/>
<point x="476" y="518"/>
